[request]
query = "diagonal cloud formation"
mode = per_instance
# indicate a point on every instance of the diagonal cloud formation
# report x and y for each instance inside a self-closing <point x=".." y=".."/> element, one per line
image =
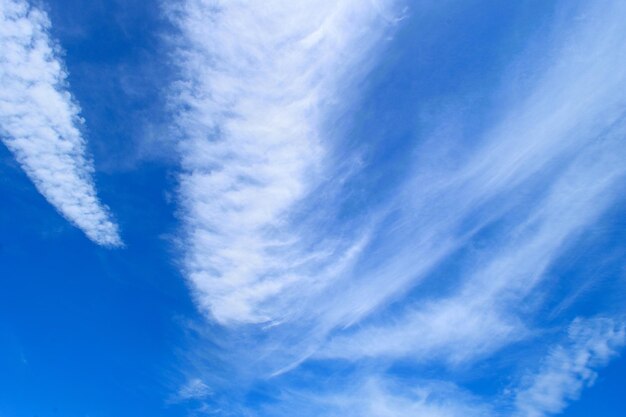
<point x="40" y="122"/>
<point x="544" y="173"/>
<point x="256" y="81"/>
<point x="539" y="175"/>
<point x="570" y="367"/>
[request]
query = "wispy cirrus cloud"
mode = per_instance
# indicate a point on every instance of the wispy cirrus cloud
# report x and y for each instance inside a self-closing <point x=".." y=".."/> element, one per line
<point x="379" y="396"/>
<point x="40" y="122"/>
<point x="481" y="314"/>
<point x="193" y="389"/>
<point x="509" y="206"/>
<point x="255" y="85"/>
<point x="570" y="367"/>
<point x="543" y="173"/>
<point x="571" y="364"/>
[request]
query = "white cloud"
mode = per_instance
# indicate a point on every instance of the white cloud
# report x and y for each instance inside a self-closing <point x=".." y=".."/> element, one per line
<point x="40" y="123"/>
<point x="537" y="179"/>
<point x="194" y="389"/>
<point x="256" y="81"/>
<point x="379" y="396"/>
<point x="570" y="367"/>
<point x="546" y="172"/>
<point x="481" y="313"/>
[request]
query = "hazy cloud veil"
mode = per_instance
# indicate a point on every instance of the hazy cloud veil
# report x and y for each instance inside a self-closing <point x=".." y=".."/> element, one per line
<point x="370" y="208"/>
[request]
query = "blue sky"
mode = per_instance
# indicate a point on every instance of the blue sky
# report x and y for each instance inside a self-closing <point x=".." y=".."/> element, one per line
<point x="377" y="208"/>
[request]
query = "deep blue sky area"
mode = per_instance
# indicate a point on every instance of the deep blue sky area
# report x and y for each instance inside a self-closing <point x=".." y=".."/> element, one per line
<point x="87" y="330"/>
<point x="468" y="258"/>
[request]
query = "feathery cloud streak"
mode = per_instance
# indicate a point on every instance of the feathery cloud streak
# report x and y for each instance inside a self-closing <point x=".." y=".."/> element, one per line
<point x="570" y="367"/>
<point x="513" y="202"/>
<point x="255" y="78"/>
<point x="40" y="122"/>
<point x="379" y="396"/>
<point x="544" y="173"/>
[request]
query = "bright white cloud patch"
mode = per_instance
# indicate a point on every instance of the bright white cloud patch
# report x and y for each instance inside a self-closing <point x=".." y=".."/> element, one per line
<point x="256" y="78"/>
<point x="40" y="123"/>
<point x="484" y="229"/>
<point x="571" y="367"/>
